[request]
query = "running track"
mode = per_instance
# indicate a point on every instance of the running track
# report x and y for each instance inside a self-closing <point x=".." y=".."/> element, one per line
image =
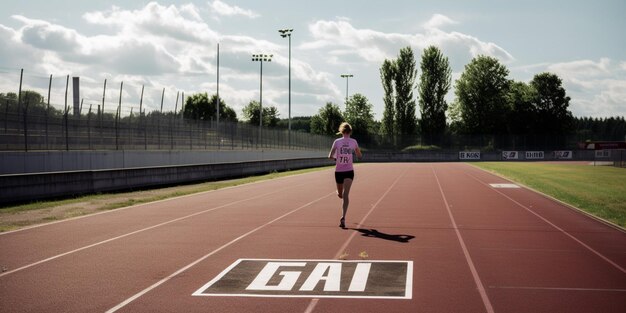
<point x="474" y="248"/>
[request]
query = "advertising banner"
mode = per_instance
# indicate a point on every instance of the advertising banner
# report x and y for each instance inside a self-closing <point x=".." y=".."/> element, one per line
<point x="510" y="155"/>
<point x="603" y="153"/>
<point x="534" y="155"/>
<point x="563" y="155"/>
<point x="469" y="155"/>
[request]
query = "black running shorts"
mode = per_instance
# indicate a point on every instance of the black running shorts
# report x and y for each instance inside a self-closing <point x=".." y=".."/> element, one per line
<point x="340" y="176"/>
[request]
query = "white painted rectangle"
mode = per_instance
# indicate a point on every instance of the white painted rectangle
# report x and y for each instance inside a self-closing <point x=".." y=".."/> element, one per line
<point x="504" y="185"/>
<point x="372" y="279"/>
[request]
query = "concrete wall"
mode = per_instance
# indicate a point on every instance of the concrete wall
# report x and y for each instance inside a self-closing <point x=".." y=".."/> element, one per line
<point x="35" y="186"/>
<point x="61" y="161"/>
<point x="40" y="175"/>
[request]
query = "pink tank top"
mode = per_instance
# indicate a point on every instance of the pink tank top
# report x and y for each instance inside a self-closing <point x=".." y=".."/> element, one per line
<point x="344" y="149"/>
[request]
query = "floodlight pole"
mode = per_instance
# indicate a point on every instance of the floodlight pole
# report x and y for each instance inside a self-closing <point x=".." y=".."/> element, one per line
<point x="287" y="33"/>
<point x="261" y="58"/>
<point x="346" y="76"/>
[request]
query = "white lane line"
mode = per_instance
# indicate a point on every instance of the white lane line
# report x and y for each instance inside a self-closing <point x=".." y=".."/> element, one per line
<point x="470" y="263"/>
<point x="559" y="288"/>
<point x="164" y="280"/>
<point x="553" y="225"/>
<point x="345" y="245"/>
<point x="311" y="306"/>
<point x="532" y="250"/>
<point x="133" y="233"/>
<point x="313" y="303"/>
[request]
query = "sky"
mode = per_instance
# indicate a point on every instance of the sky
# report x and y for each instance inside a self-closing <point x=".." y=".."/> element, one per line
<point x="172" y="46"/>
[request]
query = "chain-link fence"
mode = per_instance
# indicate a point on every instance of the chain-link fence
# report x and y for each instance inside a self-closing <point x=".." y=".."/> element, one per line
<point x="483" y="142"/>
<point x="31" y="121"/>
<point x="32" y="131"/>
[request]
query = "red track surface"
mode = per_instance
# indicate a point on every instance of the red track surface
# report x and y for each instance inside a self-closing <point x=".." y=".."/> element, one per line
<point x="474" y="248"/>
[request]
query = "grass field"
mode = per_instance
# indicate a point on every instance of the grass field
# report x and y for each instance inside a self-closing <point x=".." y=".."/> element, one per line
<point x="599" y="190"/>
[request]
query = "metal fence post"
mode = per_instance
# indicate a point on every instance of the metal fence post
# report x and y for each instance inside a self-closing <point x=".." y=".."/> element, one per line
<point x="89" y="127"/>
<point x="26" y="126"/>
<point x="19" y="94"/>
<point x="67" y="136"/>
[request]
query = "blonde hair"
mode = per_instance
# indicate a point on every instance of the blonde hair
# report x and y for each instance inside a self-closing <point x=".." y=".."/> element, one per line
<point x="344" y="128"/>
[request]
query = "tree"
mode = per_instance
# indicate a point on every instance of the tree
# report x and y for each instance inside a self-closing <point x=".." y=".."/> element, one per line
<point x="359" y="114"/>
<point x="327" y="121"/>
<point x="405" y="73"/>
<point x="387" y="127"/>
<point x="456" y="117"/>
<point x="200" y="107"/>
<point x="433" y="87"/>
<point x="481" y="95"/>
<point x="522" y="116"/>
<point x="270" y="116"/>
<point x="33" y="99"/>
<point x="551" y="104"/>
<point x="251" y="114"/>
<point x="298" y="124"/>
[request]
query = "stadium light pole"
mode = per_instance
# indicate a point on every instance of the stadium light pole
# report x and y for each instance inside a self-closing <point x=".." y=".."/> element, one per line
<point x="261" y="58"/>
<point x="286" y="32"/>
<point x="346" y="76"/>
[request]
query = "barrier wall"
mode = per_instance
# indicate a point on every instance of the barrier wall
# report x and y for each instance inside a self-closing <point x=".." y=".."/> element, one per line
<point x="40" y="175"/>
<point x="35" y="186"/>
<point x="61" y="161"/>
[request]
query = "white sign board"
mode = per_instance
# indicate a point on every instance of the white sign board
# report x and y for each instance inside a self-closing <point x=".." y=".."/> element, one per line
<point x="534" y="155"/>
<point x="510" y="155"/>
<point x="469" y="155"/>
<point x="563" y="155"/>
<point x="603" y="153"/>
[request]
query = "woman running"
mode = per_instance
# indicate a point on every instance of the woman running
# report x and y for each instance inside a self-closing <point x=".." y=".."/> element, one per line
<point x="342" y="151"/>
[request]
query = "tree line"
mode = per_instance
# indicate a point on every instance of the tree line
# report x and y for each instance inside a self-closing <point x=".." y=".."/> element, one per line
<point x="487" y="102"/>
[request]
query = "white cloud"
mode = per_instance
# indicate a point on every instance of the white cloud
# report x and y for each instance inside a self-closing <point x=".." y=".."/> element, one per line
<point x="14" y="51"/>
<point x="157" y="21"/>
<point x="437" y="21"/>
<point x="121" y="52"/>
<point x="47" y="36"/>
<point x="597" y="88"/>
<point x="342" y="40"/>
<point x="222" y="8"/>
<point x="586" y="68"/>
<point x="191" y="12"/>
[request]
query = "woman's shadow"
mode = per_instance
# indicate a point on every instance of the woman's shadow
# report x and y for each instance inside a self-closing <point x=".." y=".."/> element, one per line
<point x="375" y="233"/>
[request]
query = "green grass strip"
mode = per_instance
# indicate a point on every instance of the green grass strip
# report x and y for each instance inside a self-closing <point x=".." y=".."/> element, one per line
<point x="598" y="190"/>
